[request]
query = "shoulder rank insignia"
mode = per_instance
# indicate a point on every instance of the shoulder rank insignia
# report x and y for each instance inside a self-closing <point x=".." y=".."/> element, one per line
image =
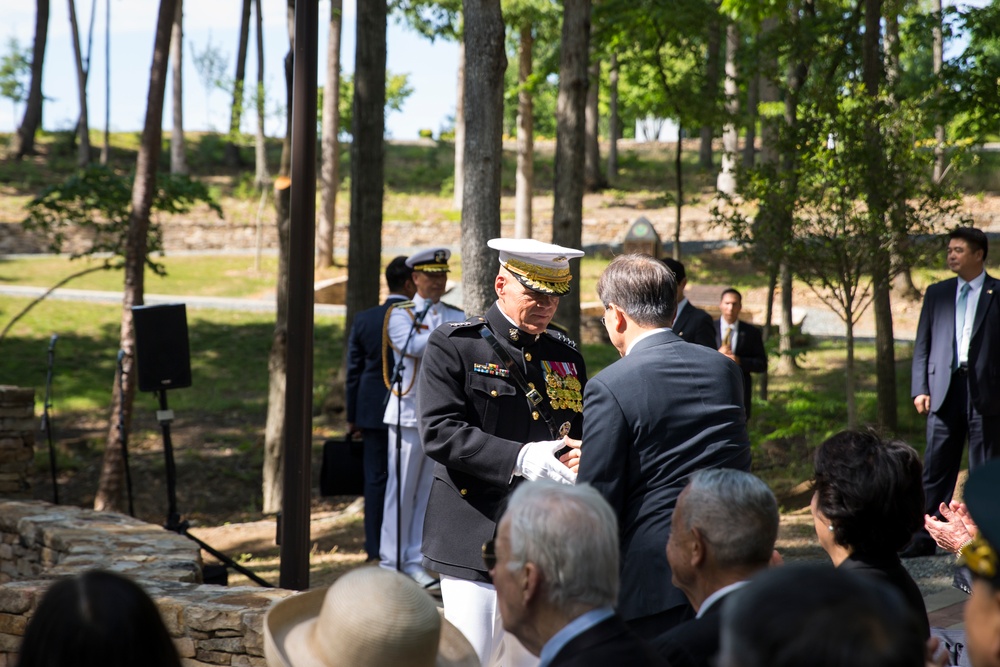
<point x="561" y="337"/>
<point x="471" y="322"/>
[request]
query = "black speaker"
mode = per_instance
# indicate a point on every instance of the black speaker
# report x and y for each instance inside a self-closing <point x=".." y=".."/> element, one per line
<point x="162" y="358"/>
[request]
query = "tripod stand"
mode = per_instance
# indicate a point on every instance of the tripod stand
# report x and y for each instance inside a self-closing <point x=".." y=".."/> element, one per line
<point x="47" y="420"/>
<point x="165" y="415"/>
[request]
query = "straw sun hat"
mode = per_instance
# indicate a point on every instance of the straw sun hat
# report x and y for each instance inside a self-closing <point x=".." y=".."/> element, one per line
<point x="371" y="617"/>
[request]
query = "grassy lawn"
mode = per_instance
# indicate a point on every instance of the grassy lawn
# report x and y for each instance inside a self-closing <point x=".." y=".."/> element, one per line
<point x="228" y="356"/>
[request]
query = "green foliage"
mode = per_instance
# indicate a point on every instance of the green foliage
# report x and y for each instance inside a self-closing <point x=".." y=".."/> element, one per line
<point x="397" y="90"/>
<point x="430" y="18"/>
<point x="661" y="49"/>
<point x="971" y="78"/>
<point x="798" y="413"/>
<point x="15" y="69"/>
<point x="98" y="200"/>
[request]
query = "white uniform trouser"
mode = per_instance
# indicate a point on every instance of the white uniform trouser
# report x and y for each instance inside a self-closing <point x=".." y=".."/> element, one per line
<point x="413" y="488"/>
<point x="471" y="606"/>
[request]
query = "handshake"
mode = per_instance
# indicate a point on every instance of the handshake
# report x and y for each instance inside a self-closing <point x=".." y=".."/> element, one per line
<point x="557" y="460"/>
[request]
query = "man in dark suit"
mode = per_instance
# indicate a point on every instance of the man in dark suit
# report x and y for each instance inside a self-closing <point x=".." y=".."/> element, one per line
<point x="488" y="432"/>
<point x="690" y="323"/>
<point x="663" y="411"/>
<point x="366" y="395"/>
<point x="724" y="529"/>
<point x="956" y="372"/>
<point x="554" y="562"/>
<point x="740" y="341"/>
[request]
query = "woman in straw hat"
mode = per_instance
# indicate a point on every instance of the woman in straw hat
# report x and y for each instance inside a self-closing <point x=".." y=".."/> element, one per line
<point x="371" y="617"/>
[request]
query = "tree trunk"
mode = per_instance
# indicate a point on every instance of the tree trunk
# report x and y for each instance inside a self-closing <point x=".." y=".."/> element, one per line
<point x="459" y="189"/>
<point x="236" y="110"/>
<point x="772" y="283"/>
<point x="567" y="210"/>
<point x="852" y="400"/>
<point x="711" y="90"/>
<point x="330" y="147"/>
<point x="24" y="139"/>
<point x="106" y="146"/>
<point x="726" y="182"/>
<point x="679" y="189"/>
<point x="885" y="363"/>
<point x="274" y="429"/>
<point x="892" y="47"/>
<point x="367" y="160"/>
<point x="483" y="113"/>
<point x="750" y="139"/>
<point x="525" y="177"/>
<point x="178" y="160"/>
<point x="786" y="360"/>
<point x="593" y="178"/>
<point x="82" y="127"/>
<point x="110" y="491"/>
<point x="614" y="128"/>
<point x="261" y="178"/>
<point x="796" y="76"/>
<point x="937" y="63"/>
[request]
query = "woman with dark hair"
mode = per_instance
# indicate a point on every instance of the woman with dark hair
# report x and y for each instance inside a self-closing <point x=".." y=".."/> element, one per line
<point x="97" y="619"/>
<point x="868" y="500"/>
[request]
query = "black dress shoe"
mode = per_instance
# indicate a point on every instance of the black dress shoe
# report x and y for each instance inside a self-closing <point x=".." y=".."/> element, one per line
<point x="918" y="548"/>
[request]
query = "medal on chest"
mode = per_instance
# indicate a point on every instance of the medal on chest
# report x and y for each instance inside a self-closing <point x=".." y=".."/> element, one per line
<point x="563" y="386"/>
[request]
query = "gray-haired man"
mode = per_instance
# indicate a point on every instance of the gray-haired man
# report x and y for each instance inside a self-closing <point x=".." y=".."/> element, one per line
<point x="554" y="563"/>
<point x="724" y="529"/>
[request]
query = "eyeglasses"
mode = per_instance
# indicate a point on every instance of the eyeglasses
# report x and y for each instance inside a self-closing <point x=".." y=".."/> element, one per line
<point x="489" y="554"/>
<point x="603" y="322"/>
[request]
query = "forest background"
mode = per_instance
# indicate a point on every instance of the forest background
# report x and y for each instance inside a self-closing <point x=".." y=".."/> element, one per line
<point x="832" y="142"/>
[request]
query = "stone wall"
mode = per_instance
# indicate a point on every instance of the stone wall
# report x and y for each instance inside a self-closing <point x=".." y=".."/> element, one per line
<point x="17" y="440"/>
<point x="40" y="542"/>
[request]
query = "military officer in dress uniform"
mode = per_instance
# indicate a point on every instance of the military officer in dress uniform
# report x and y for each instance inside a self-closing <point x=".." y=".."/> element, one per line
<point x="408" y="326"/>
<point x="497" y="396"/>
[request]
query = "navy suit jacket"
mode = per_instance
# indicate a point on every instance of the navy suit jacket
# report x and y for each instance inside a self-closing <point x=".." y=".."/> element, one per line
<point x="365" y="387"/>
<point x="693" y="643"/>
<point x="695" y="326"/>
<point x="750" y="349"/>
<point x="610" y="642"/>
<point x="650" y="419"/>
<point x="935" y="348"/>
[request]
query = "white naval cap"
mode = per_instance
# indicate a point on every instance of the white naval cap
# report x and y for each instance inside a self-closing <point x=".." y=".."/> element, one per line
<point x="541" y="267"/>
<point x="432" y="260"/>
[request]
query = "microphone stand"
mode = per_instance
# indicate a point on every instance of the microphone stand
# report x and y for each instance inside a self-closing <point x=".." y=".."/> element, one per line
<point x="122" y="431"/>
<point x="397" y="382"/>
<point x="47" y="421"/>
<point x="174" y="523"/>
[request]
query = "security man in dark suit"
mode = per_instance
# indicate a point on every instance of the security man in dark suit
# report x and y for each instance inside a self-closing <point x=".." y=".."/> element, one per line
<point x="956" y="372"/>
<point x="496" y="395"/>
<point x="740" y="341"/>
<point x="365" y="394"/>
<point x="691" y="322"/>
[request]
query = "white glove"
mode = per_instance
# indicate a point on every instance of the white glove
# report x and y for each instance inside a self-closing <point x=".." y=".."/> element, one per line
<point x="537" y="460"/>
